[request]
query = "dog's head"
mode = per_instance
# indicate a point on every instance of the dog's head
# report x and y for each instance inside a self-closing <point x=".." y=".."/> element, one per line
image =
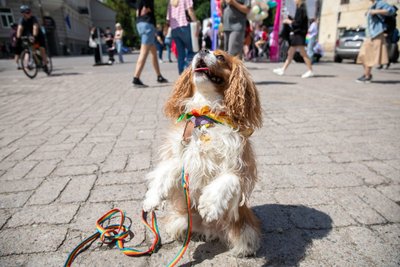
<point x="218" y="73"/>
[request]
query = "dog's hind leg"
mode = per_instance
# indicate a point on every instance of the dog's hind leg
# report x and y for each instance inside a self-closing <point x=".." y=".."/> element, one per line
<point x="244" y="234"/>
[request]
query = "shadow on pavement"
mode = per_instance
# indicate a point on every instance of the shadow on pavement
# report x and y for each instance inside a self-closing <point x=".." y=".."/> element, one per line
<point x="287" y="232"/>
<point x="65" y="74"/>
<point x="272" y="82"/>
<point x="324" y="76"/>
<point x="386" y="81"/>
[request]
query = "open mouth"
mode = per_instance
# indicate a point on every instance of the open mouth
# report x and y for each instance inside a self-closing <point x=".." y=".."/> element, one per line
<point x="202" y="67"/>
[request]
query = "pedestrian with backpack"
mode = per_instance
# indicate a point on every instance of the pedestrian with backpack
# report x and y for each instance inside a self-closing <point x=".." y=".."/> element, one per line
<point x="373" y="51"/>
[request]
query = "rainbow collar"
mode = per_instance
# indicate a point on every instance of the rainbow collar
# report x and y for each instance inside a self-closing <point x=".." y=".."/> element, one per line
<point x="205" y="116"/>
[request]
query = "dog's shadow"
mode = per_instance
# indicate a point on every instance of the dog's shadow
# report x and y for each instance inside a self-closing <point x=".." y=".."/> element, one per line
<point x="287" y="231"/>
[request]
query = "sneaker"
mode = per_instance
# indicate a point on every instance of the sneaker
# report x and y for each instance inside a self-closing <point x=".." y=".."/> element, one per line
<point x="364" y="79"/>
<point x="138" y="83"/>
<point x="279" y="71"/>
<point x="161" y="79"/>
<point x="308" y="74"/>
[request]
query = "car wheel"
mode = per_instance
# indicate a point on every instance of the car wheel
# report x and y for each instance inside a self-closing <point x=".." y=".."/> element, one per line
<point x="338" y="59"/>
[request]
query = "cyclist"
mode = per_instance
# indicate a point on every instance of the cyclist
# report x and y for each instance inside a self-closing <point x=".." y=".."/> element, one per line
<point x="29" y="26"/>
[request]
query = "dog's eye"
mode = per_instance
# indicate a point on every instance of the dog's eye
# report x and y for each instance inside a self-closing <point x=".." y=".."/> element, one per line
<point x="220" y="57"/>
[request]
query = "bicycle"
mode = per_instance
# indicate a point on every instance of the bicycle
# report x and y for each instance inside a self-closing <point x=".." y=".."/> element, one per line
<point x="31" y="59"/>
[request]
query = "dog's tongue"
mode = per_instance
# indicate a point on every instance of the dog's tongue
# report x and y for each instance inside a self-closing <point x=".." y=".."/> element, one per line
<point x="201" y="69"/>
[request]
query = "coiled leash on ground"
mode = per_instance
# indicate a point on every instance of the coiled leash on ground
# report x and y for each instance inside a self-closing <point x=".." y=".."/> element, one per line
<point x="117" y="233"/>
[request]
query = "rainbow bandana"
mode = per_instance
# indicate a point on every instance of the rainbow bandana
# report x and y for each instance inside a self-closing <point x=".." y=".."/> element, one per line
<point x="205" y="116"/>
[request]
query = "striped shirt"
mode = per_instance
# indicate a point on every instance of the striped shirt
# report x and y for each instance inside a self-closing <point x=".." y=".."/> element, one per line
<point x="176" y="15"/>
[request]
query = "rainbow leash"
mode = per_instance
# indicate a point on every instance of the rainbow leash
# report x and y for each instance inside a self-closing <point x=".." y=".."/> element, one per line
<point x="117" y="233"/>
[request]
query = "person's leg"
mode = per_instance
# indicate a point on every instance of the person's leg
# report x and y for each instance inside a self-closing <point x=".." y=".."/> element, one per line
<point x="226" y="40"/>
<point x="235" y="45"/>
<point x="307" y="60"/>
<point x="367" y="71"/>
<point x="43" y="54"/>
<point x="187" y="40"/>
<point x="119" y="51"/>
<point x="168" y="48"/>
<point x="180" y="47"/>
<point x="144" y="51"/>
<point x="97" y="58"/>
<point x="156" y="66"/>
<point x="289" y="58"/>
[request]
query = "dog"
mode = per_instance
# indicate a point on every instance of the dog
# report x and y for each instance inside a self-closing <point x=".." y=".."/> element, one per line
<point x="218" y="106"/>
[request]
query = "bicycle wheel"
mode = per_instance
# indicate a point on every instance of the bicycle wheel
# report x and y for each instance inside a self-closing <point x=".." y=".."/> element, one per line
<point x="28" y="63"/>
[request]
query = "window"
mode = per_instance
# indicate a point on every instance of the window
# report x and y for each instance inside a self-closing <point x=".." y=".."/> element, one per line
<point x="7" y="17"/>
<point x="343" y="2"/>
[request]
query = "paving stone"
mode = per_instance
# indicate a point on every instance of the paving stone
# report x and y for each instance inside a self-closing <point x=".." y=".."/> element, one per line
<point x="114" y="164"/>
<point x="49" y="214"/>
<point x="76" y="170"/>
<point x="4" y="216"/>
<point x="43" y="169"/>
<point x="19" y="170"/>
<point x="14" y="200"/>
<point x="78" y="189"/>
<point x="121" y="178"/>
<point x="20" y="185"/>
<point x="138" y="162"/>
<point x="118" y="192"/>
<point x="386" y="207"/>
<point x="392" y="192"/>
<point x="31" y="239"/>
<point x="49" y="191"/>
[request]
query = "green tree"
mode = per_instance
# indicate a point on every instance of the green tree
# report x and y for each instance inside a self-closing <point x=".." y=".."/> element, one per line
<point x="126" y="16"/>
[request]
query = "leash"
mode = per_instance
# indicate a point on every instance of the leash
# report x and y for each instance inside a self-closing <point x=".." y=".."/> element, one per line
<point x="117" y="233"/>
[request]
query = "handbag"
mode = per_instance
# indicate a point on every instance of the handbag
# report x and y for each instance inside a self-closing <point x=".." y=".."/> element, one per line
<point x="92" y="43"/>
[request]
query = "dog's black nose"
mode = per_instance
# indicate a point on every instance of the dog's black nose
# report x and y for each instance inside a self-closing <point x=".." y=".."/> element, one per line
<point x="204" y="52"/>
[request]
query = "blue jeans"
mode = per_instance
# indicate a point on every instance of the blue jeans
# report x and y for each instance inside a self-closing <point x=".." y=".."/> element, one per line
<point x="310" y="47"/>
<point x="119" y="50"/>
<point x="167" y="43"/>
<point x="183" y="41"/>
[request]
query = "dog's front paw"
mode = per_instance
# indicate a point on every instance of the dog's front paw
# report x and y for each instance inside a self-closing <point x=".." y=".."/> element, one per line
<point x="150" y="203"/>
<point x="209" y="208"/>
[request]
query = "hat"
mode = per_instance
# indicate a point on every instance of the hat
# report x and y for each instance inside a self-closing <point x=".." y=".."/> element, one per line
<point x="24" y="9"/>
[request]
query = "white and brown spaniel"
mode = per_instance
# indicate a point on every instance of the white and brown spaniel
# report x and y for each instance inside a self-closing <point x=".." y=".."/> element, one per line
<point x="218" y="107"/>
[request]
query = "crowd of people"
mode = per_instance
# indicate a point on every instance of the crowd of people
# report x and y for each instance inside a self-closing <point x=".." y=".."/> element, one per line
<point x="237" y="35"/>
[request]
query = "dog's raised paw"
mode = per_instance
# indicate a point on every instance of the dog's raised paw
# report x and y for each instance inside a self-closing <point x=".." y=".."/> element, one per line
<point x="151" y="203"/>
<point x="209" y="209"/>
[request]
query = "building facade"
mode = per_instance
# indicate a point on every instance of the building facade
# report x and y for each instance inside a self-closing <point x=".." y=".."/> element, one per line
<point x="67" y="22"/>
<point x="342" y="14"/>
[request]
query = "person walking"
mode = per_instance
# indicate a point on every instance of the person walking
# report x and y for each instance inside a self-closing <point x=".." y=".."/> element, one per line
<point x="160" y="42"/>
<point x="168" y="42"/>
<point x="373" y="50"/>
<point x="94" y="35"/>
<point x="109" y="38"/>
<point x="180" y="26"/>
<point x="297" y="39"/>
<point x="234" y="23"/>
<point x="118" y="43"/>
<point x="14" y="49"/>
<point x="145" y="25"/>
<point x="312" y="37"/>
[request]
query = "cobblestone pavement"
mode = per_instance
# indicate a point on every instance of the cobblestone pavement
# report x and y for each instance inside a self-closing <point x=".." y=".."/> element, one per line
<point x="77" y="144"/>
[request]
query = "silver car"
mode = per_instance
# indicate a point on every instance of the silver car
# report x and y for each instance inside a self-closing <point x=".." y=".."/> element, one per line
<point x="349" y="43"/>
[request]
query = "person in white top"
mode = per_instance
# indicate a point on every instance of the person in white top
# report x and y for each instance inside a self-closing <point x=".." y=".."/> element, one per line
<point x="119" y="32"/>
<point x="312" y="37"/>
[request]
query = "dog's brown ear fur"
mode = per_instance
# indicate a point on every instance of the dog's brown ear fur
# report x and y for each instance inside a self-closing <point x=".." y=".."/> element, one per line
<point x="183" y="89"/>
<point x="241" y="98"/>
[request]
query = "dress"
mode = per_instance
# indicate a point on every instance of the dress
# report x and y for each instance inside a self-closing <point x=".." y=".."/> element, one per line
<point x="299" y="27"/>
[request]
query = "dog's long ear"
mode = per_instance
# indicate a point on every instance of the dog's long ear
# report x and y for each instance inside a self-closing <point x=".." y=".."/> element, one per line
<point x="183" y="89"/>
<point x="241" y="98"/>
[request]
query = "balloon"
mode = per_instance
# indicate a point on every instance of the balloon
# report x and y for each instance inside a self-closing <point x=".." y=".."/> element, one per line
<point x="259" y="10"/>
<point x="272" y="4"/>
